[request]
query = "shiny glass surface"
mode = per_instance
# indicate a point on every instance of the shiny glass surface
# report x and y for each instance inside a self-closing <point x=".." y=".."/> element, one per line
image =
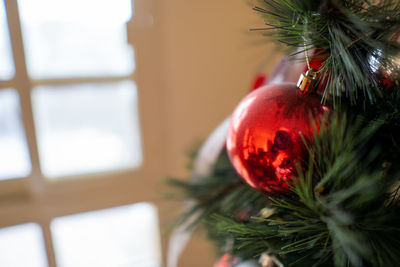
<point x="264" y="140"/>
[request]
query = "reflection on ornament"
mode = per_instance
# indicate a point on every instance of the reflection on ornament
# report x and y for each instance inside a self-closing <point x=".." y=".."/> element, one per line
<point x="385" y="70"/>
<point x="264" y="140"/>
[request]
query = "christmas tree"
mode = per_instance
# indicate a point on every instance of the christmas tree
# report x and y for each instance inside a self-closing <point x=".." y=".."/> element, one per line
<point x="308" y="174"/>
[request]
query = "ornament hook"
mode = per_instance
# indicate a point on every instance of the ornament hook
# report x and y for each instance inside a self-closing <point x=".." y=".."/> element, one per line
<point x="308" y="80"/>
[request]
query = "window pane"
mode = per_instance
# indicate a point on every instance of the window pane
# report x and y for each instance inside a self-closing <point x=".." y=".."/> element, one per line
<point x="87" y="128"/>
<point x="123" y="236"/>
<point x="74" y="38"/>
<point x="22" y="245"/>
<point x="14" y="154"/>
<point x="6" y="62"/>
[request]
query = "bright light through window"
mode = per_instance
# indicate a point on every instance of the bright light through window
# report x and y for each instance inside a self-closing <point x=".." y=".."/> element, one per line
<point x="87" y="128"/>
<point x="14" y="154"/>
<point x="119" y="237"/>
<point x="6" y="62"/>
<point x="75" y="38"/>
<point x="22" y="246"/>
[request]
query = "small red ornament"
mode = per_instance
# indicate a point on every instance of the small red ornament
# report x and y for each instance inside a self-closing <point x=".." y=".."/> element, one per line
<point x="226" y="260"/>
<point x="263" y="141"/>
<point x="259" y="81"/>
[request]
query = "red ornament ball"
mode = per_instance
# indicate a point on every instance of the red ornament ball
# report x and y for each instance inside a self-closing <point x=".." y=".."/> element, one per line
<point x="263" y="141"/>
<point x="226" y="260"/>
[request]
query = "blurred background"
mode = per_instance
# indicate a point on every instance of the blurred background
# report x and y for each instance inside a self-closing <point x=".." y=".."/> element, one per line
<point x="99" y="102"/>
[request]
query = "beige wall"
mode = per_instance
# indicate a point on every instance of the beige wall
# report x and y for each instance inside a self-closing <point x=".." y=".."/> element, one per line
<point x="201" y="58"/>
<point x="210" y="59"/>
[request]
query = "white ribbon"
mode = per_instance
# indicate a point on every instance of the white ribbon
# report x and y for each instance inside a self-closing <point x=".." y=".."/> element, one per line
<point x="203" y="167"/>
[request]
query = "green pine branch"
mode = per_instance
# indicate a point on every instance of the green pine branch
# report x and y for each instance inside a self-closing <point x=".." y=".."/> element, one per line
<point x="352" y="33"/>
<point x="343" y="209"/>
<point x="340" y="212"/>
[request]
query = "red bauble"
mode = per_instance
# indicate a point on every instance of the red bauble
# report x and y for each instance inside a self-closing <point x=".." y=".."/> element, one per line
<point x="259" y="81"/>
<point x="226" y="260"/>
<point x="263" y="140"/>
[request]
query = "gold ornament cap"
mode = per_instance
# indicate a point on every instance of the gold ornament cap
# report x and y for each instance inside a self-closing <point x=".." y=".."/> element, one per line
<point x="307" y="81"/>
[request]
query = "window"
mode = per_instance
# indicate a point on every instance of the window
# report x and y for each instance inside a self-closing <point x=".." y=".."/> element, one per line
<point x="86" y="128"/>
<point x="25" y="239"/>
<point x="14" y="153"/>
<point x="77" y="241"/>
<point x="71" y="149"/>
